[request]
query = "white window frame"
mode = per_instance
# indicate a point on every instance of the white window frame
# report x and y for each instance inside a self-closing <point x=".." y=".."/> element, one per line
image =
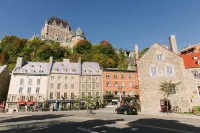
<point x="198" y="93"/>
<point x="172" y="70"/>
<point x="156" y="71"/>
<point x="159" y="57"/>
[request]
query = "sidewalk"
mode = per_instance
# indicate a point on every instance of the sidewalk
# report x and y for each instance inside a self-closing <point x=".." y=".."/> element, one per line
<point x="173" y="115"/>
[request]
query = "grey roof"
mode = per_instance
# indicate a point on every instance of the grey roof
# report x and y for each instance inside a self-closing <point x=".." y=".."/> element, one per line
<point x="91" y="68"/>
<point x="66" y="68"/>
<point x="35" y="68"/>
<point x="2" y="68"/>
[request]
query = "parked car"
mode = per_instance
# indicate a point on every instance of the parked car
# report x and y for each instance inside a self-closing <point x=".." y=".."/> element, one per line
<point x="126" y="109"/>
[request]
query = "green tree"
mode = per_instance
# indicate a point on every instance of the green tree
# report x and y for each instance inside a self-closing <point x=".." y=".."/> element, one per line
<point x="82" y="47"/>
<point x="43" y="53"/>
<point x="168" y="88"/>
<point x="122" y="61"/>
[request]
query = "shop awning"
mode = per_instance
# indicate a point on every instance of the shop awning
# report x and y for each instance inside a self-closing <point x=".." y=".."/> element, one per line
<point x="60" y="101"/>
<point x="22" y="102"/>
<point x="30" y="103"/>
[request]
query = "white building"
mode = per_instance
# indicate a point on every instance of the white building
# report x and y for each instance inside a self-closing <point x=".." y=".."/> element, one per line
<point x="28" y="85"/>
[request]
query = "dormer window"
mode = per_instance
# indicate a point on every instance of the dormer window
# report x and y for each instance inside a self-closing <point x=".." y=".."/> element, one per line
<point x="195" y="58"/>
<point x="40" y="71"/>
<point x="73" y="70"/>
<point x="62" y="64"/>
<point x="55" y="69"/>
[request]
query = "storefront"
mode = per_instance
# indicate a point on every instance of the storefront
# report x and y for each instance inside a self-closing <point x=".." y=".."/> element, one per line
<point x="21" y="106"/>
<point x="30" y="106"/>
<point x="60" y="104"/>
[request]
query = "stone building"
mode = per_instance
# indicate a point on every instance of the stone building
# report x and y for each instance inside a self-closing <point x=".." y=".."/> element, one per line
<point x="157" y="65"/>
<point x="192" y="69"/>
<point x="28" y="85"/>
<point x="117" y="81"/>
<point x="64" y="82"/>
<point x="4" y="82"/>
<point x="91" y="80"/>
<point x="59" y="30"/>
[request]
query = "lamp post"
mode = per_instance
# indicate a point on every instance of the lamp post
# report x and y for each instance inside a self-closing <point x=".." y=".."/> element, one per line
<point x="120" y="95"/>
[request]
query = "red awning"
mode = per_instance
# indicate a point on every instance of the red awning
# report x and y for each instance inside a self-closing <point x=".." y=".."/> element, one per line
<point x="30" y="103"/>
<point x="22" y="102"/>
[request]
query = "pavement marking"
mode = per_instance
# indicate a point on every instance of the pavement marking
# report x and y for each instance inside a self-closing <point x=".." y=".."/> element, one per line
<point x="169" y="129"/>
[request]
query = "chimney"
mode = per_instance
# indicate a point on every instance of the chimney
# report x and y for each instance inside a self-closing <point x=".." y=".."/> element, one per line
<point x="173" y="45"/>
<point x="51" y="60"/>
<point x="20" y="62"/>
<point x="136" y="52"/>
<point x="79" y="60"/>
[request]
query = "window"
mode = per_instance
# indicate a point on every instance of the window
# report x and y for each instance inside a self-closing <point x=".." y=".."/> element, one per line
<point x="51" y="86"/>
<point x="122" y="76"/>
<point x="115" y="92"/>
<point x="97" y="78"/>
<point x="169" y="70"/>
<point x="83" y="77"/>
<point x="38" y="82"/>
<point x="40" y="98"/>
<point x="124" y="93"/>
<point x="29" y="90"/>
<point x="52" y="78"/>
<point x="37" y="90"/>
<point x="72" y="78"/>
<point x="131" y="84"/>
<point x="89" y="86"/>
<point x="159" y="57"/>
<point x="30" y="82"/>
<point x="21" y="81"/>
<point x="108" y="92"/>
<point x="66" y="86"/>
<point x="31" y="98"/>
<point x="153" y="71"/>
<point x="115" y="76"/>
<point x="107" y="75"/>
<point x="51" y="95"/>
<point x="198" y="90"/>
<point x="72" y="95"/>
<point x="130" y="76"/>
<point x="89" y="94"/>
<point x="58" y="95"/>
<point x="22" y="98"/>
<point x="97" y="85"/>
<point x="83" y="94"/>
<point x="66" y="78"/>
<point x="59" y="78"/>
<point x="116" y="84"/>
<point x="97" y="94"/>
<point x="72" y="86"/>
<point x="83" y="86"/>
<point x="20" y="90"/>
<point x="123" y="85"/>
<point x="108" y="84"/>
<point x="59" y="84"/>
<point x="89" y="78"/>
<point x="65" y="95"/>
<point x="13" y="98"/>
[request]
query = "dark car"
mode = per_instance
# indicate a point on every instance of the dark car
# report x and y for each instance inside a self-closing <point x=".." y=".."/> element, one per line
<point x="125" y="109"/>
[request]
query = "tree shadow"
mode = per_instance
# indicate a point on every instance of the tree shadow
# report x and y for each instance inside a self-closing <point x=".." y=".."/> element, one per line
<point x="103" y="126"/>
<point x="33" y="117"/>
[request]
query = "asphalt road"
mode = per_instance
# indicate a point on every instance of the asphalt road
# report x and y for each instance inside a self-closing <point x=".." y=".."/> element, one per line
<point x="104" y="121"/>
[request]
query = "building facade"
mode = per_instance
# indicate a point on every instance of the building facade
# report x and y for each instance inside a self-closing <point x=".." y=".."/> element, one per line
<point x="64" y="83"/>
<point x="4" y="82"/>
<point x="28" y="85"/>
<point x="59" y="30"/>
<point x="157" y="65"/>
<point x="119" y="81"/>
<point x="91" y="80"/>
<point x="192" y="70"/>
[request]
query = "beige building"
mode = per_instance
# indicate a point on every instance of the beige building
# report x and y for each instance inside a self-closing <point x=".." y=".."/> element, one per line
<point x="160" y="64"/>
<point x="4" y="82"/>
<point x="28" y="85"/>
<point x="64" y="82"/>
<point x="59" y="30"/>
<point x="91" y="82"/>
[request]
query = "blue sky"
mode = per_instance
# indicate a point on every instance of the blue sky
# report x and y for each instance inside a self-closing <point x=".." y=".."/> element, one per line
<point x="121" y="22"/>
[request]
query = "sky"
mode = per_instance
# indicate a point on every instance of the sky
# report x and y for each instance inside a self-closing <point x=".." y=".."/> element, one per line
<point x="123" y="23"/>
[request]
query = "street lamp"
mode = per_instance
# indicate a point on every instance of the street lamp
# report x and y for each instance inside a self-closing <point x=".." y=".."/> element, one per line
<point x="120" y="95"/>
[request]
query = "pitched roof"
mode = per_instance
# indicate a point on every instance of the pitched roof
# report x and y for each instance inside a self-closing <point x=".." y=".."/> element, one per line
<point x="66" y="68"/>
<point x="189" y="47"/>
<point x="58" y="21"/>
<point x="191" y="60"/>
<point x="91" y="68"/>
<point x="35" y="68"/>
<point x="2" y="68"/>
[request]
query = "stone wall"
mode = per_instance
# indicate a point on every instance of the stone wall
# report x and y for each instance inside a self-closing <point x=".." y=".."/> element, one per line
<point x="150" y="94"/>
